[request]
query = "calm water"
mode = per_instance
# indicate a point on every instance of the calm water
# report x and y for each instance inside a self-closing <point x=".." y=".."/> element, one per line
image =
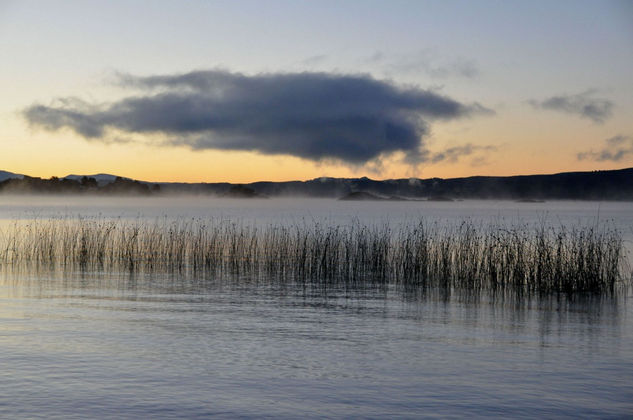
<point x="289" y="210"/>
<point x="108" y="345"/>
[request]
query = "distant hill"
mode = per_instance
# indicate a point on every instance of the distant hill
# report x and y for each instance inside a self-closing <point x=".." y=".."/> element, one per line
<point x="4" y="175"/>
<point x="595" y="185"/>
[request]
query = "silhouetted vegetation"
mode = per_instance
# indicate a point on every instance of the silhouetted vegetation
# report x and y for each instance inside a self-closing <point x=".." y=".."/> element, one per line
<point x="535" y="259"/>
<point x="54" y="185"/>
<point x="597" y="185"/>
<point x="240" y="191"/>
<point x="362" y="196"/>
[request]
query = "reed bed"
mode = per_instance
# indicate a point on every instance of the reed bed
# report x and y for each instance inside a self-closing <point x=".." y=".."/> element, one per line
<point x="418" y="255"/>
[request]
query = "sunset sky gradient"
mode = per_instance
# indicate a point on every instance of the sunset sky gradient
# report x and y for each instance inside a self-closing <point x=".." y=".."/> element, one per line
<point x="244" y="91"/>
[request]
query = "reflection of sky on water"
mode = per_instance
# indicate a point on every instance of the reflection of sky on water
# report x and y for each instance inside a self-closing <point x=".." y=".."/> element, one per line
<point x="108" y="345"/>
<point x="283" y="209"/>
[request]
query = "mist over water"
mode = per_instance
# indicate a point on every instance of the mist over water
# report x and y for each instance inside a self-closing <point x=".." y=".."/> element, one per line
<point x="81" y="344"/>
<point x="292" y="209"/>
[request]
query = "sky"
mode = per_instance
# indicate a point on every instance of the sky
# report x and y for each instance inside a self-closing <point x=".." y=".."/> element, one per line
<point x="242" y="91"/>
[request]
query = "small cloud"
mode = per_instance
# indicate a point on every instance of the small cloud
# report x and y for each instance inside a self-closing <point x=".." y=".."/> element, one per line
<point x="584" y="105"/>
<point x="480" y="155"/>
<point x="616" y="149"/>
<point x="617" y="140"/>
<point x="453" y="154"/>
<point x="376" y="57"/>
<point x="479" y="161"/>
<point x="314" y="60"/>
<point x="425" y="61"/>
<point x="478" y="109"/>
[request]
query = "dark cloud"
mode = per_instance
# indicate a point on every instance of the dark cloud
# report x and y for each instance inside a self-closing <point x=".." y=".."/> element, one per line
<point x="351" y="118"/>
<point x="615" y="149"/>
<point x="582" y="104"/>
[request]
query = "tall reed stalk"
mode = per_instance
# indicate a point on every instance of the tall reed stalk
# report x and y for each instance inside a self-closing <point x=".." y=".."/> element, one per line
<point x="464" y="255"/>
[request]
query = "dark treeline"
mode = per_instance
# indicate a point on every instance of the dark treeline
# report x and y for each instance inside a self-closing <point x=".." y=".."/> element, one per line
<point x="597" y="185"/>
<point x="85" y="185"/>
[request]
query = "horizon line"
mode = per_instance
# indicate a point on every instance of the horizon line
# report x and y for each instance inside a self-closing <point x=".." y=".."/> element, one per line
<point x="311" y="179"/>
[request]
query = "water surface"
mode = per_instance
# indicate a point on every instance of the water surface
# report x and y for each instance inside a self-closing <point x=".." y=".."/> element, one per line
<point x="114" y="345"/>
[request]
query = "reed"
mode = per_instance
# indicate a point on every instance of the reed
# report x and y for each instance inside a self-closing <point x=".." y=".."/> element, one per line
<point x="465" y="255"/>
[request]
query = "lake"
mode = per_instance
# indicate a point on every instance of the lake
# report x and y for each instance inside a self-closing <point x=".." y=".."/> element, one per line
<point x="86" y="344"/>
